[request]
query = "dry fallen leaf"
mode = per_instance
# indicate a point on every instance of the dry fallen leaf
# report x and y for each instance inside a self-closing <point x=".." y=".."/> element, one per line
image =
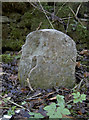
<point x="79" y="112"/>
<point x="78" y="64"/>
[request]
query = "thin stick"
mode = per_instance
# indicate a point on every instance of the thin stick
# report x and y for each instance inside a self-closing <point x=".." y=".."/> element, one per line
<point x="57" y="18"/>
<point x="54" y="8"/>
<point x="15" y="103"/>
<point x="39" y="26"/>
<point x="80" y="84"/>
<point x="68" y="23"/>
<point x="76" y="16"/>
<point x="78" y="10"/>
<point x="4" y="107"/>
<point x="46" y="14"/>
<point x="61" y="7"/>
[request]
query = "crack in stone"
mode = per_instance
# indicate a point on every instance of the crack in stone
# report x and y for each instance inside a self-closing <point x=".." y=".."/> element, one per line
<point x="33" y="68"/>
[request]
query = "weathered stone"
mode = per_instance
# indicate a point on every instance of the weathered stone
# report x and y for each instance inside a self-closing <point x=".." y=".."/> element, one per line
<point x="48" y="59"/>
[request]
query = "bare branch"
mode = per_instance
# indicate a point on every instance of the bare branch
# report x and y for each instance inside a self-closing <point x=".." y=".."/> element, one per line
<point x="56" y="17"/>
<point x="78" y="10"/>
<point x="14" y="103"/>
<point x="68" y="23"/>
<point x="76" y="16"/>
<point x="61" y="7"/>
<point x="45" y="14"/>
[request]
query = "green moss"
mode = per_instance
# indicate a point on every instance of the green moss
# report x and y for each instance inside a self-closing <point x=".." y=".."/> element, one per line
<point x="6" y="58"/>
<point x="78" y="33"/>
<point x="14" y="33"/>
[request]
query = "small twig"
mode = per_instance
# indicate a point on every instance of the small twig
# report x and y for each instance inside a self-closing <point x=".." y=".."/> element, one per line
<point x="69" y="101"/>
<point x="57" y="18"/>
<point x="15" y="103"/>
<point x="4" y="107"/>
<point x="78" y="10"/>
<point x="67" y="18"/>
<point x="80" y="84"/>
<point x="20" y="51"/>
<point x="34" y="96"/>
<point x="76" y="16"/>
<point x="29" y="85"/>
<point x="45" y="14"/>
<point x="68" y="23"/>
<point x="39" y="26"/>
<point x="61" y="7"/>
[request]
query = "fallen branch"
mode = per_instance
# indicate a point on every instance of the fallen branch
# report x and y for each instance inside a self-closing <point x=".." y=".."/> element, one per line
<point x="14" y="103"/>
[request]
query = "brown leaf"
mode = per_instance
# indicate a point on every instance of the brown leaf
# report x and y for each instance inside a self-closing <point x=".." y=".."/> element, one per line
<point x="24" y="90"/>
<point x="78" y="64"/>
<point x="79" y="112"/>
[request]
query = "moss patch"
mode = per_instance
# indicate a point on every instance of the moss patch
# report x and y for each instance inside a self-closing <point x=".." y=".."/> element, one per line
<point x="28" y="19"/>
<point x="6" y="58"/>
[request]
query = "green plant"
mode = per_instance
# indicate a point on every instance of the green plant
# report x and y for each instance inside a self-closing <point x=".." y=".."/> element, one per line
<point x="12" y="111"/>
<point x="36" y="115"/>
<point x="57" y="110"/>
<point x="6" y="58"/>
<point x="78" y="97"/>
<point x="74" y="25"/>
<point x="54" y="110"/>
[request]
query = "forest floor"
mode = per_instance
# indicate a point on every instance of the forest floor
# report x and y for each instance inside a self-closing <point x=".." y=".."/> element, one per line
<point x="16" y="102"/>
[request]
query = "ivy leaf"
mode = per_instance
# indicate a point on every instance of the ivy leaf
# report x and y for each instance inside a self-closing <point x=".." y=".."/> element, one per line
<point x="76" y="100"/>
<point x="31" y="113"/>
<point x="65" y="111"/>
<point x="69" y="106"/>
<point x="83" y="97"/>
<point x="59" y="112"/>
<point x="60" y="100"/>
<point x="76" y="95"/>
<point x="36" y="115"/>
<point x="50" y="107"/>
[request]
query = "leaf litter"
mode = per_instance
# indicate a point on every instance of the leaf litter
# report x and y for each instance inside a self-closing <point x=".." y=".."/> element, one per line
<point x="37" y="100"/>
